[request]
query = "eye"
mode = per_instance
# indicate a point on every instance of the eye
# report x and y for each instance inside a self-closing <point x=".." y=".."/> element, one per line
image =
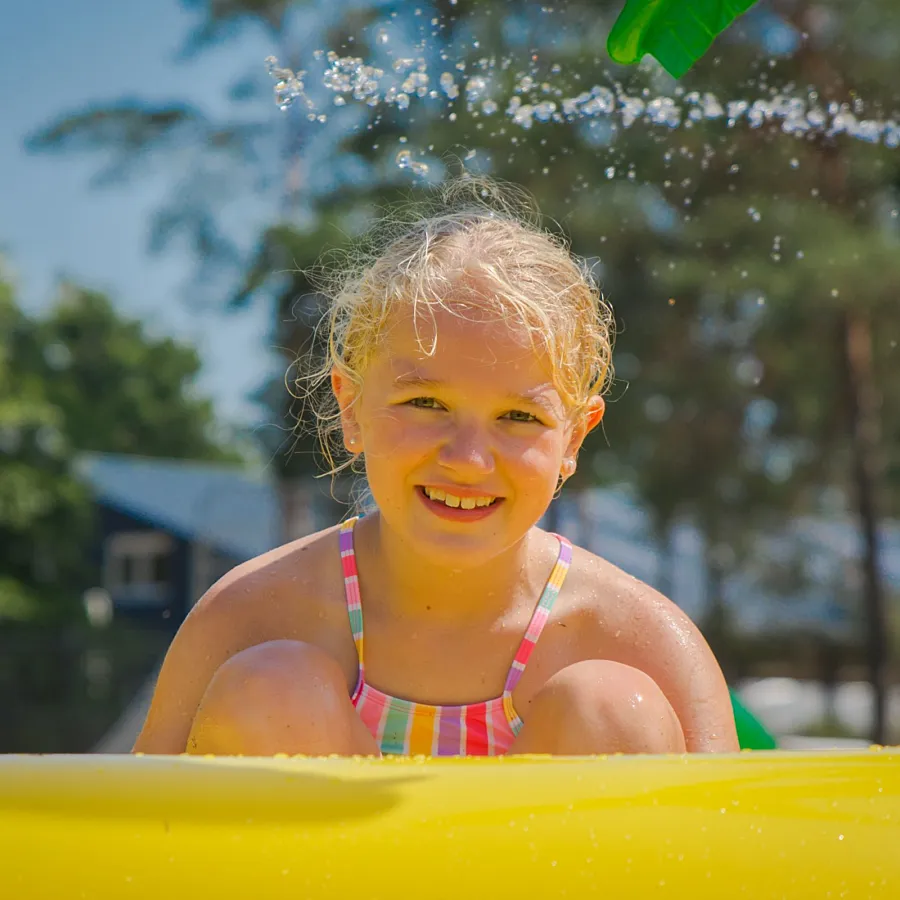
<point x="518" y="415"/>
<point x="424" y="403"/>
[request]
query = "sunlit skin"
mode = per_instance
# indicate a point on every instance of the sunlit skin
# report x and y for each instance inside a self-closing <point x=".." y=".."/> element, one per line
<point x="480" y="415"/>
<point x="265" y="663"/>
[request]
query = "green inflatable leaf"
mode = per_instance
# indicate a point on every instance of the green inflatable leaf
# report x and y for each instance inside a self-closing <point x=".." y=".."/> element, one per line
<point x="752" y="734"/>
<point x="676" y="32"/>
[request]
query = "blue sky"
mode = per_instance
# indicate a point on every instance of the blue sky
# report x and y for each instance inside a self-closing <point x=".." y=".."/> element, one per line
<point x="56" y="56"/>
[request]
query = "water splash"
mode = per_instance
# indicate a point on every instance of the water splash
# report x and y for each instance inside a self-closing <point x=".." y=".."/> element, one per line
<point x="405" y="160"/>
<point x="350" y="78"/>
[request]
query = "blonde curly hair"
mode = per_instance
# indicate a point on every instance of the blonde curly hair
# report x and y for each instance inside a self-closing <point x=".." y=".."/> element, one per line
<point x="467" y="233"/>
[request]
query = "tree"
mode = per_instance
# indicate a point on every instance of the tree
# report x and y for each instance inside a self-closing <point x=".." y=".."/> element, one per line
<point x="80" y="378"/>
<point x="119" y="389"/>
<point x="783" y="260"/>
<point x="747" y="262"/>
<point x="261" y="153"/>
<point x="737" y="269"/>
<point x="44" y="511"/>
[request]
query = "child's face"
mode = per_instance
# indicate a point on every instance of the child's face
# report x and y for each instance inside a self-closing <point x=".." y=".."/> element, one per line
<point x="478" y="421"/>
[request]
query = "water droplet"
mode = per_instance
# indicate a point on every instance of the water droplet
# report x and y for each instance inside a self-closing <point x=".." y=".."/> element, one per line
<point x="754" y="214"/>
<point x="475" y="87"/>
<point x="404" y="160"/>
<point x="448" y="85"/>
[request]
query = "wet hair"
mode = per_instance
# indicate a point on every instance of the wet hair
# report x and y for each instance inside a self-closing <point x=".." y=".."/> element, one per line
<point x="471" y="239"/>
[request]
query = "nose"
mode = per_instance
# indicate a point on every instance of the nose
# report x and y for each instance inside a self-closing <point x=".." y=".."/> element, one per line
<point x="467" y="452"/>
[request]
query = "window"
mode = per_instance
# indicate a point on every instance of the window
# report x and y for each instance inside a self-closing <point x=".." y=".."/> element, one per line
<point x="137" y="568"/>
<point x="207" y="567"/>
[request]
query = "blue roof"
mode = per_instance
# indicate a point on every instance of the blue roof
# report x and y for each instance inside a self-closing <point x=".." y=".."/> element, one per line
<point x="236" y="512"/>
<point x="224" y="506"/>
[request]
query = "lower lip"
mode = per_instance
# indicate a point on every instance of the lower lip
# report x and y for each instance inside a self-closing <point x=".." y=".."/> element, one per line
<point x="439" y="508"/>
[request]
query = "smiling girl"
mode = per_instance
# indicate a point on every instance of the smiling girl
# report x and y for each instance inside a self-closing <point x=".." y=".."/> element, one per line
<point x="466" y="365"/>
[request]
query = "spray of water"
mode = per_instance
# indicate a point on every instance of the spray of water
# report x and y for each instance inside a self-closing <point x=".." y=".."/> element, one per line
<point x="352" y="79"/>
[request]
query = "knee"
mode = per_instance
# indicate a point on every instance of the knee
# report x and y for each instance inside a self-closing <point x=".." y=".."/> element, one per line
<point x="278" y="669"/>
<point x="615" y="707"/>
<point x="274" y="682"/>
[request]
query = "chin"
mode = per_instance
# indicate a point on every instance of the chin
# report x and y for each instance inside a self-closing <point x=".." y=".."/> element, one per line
<point x="463" y="547"/>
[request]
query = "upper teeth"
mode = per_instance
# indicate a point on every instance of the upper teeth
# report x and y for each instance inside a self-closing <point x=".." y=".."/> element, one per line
<point x="456" y="502"/>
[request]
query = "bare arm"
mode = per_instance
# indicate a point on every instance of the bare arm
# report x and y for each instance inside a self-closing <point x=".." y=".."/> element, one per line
<point x="655" y="636"/>
<point x="213" y="632"/>
<point x="680" y="661"/>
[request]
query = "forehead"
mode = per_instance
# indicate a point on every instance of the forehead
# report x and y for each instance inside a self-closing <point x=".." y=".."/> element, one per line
<point x="481" y="343"/>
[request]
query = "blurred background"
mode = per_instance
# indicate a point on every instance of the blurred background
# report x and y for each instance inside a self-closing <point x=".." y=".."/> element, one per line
<point x="157" y="208"/>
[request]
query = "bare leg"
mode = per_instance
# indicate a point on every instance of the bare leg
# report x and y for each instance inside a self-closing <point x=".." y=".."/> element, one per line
<point x="597" y="706"/>
<point x="279" y="697"/>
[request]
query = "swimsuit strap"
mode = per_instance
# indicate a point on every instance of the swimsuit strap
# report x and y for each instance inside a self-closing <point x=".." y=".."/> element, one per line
<point x="541" y="614"/>
<point x="351" y="590"/>
<point x="535" y="626"/>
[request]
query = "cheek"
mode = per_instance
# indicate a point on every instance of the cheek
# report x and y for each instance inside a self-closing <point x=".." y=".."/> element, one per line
<point x="391" y="435"/>
<point x="537" y="459"/>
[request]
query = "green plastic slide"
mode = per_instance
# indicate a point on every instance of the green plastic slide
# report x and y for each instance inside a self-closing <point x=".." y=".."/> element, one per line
<point x="676" y="32"/>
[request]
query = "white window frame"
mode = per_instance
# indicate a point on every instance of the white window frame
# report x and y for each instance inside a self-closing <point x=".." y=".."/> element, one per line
<point x="143" y="548"/>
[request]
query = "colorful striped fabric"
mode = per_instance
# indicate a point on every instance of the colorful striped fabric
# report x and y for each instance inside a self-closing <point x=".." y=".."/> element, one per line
<point x="405" y="728"/>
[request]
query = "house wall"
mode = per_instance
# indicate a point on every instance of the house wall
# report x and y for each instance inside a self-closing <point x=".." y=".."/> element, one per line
<point x="207" y="566"/>
<point x="142" y="587"/>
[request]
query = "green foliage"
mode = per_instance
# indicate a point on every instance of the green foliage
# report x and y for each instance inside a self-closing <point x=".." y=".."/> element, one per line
<point x="732" y="253"/>
<point x="118" y="388"/>
<point x="79" y="378"/>
<point x="43" y="510"/>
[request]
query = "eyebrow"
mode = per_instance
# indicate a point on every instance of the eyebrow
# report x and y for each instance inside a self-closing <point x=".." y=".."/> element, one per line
<point x="413" y="379"/>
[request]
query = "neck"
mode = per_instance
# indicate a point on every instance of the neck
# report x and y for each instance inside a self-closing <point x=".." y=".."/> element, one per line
<point x="412" y="587"/>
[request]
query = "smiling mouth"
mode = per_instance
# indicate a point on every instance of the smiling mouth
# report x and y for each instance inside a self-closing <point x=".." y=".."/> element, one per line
<point x="452" y="501"/>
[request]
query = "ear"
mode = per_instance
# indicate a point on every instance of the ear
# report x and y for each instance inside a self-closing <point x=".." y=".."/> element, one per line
<point x="587" y="421"/>
<point x="346" y="394"/>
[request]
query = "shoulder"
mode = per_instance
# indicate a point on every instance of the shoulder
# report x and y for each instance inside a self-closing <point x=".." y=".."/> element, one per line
<point x="267" y="593"/>
<point x="293" y="592"/>
<point x="289" y="593"/>
<point x="625" y="620"/>
<point x="607" y="595"/>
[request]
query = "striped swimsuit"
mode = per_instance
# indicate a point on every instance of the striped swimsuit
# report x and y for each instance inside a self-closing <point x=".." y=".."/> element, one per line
<point x="402" y="727"/>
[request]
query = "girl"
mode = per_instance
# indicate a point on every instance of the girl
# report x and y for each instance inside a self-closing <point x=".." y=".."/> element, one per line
<point x="466" y="363"/>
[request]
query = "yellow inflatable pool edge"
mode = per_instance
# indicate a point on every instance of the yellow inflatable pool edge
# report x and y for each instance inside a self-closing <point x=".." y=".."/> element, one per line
<point x="761" y="825"/>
